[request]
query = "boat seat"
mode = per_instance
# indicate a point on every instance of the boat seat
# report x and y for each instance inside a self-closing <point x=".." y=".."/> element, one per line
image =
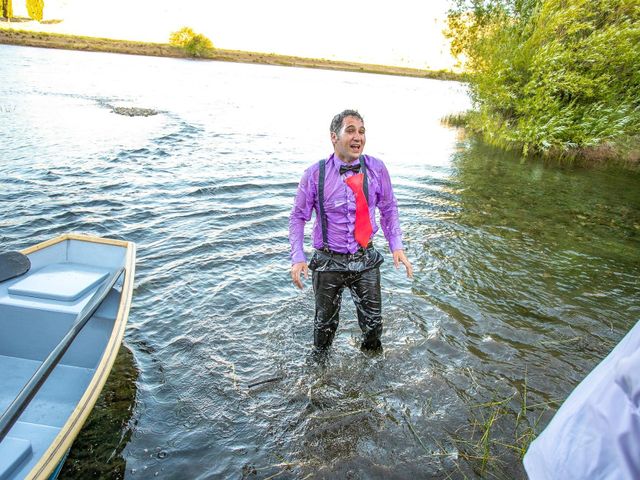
<point x="57" y="397"/>
<point x="23" y="458"/>
<point x="13" y="451"/>
<point x="65" y="282"/>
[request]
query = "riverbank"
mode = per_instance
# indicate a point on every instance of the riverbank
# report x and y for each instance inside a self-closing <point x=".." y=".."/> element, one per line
<point x="623" y="152"/>
<point x="11" y="35"/>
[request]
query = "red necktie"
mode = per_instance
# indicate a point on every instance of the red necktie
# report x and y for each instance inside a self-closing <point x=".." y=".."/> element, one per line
<point x="363" y="222"/>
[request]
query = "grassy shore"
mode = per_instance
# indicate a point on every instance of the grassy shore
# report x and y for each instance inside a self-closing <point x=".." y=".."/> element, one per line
<point x="11" y="35"/>
<point x="623" y="152"/>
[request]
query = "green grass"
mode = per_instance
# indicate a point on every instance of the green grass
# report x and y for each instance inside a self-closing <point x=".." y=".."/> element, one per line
<point x="460" y="119"/>
<point x="496" y="437"/>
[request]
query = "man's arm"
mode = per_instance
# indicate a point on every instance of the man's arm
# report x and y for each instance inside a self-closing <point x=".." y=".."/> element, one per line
<point x="300" y="214"/>
<point x="390" y="221"/>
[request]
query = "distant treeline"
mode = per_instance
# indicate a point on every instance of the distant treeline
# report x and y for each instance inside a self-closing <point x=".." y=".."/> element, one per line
<point x="35" y="9"/>
<point x="557" y="77"/>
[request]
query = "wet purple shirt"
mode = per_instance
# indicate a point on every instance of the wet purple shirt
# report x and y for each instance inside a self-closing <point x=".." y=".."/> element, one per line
<point x="340" y="208"/>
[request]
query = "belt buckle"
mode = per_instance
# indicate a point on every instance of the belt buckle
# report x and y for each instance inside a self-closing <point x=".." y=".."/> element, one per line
<point x="364" y="249"/>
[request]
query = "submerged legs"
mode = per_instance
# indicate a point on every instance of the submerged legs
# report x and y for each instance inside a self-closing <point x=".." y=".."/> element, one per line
<point x="366" y="294"/>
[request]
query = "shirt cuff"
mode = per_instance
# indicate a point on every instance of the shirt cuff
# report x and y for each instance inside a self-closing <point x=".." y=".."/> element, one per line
<point x="395" y="244"/>
<point x="298" y="257"/>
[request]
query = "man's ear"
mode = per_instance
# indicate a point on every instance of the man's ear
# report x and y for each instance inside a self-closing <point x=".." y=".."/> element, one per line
<point x="334" y="137"/>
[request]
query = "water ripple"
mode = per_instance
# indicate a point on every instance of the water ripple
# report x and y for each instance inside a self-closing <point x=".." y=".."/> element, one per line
<point x="525" y="273"/>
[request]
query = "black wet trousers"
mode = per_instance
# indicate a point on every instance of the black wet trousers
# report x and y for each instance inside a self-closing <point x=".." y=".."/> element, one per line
<point x="365" y="291"/>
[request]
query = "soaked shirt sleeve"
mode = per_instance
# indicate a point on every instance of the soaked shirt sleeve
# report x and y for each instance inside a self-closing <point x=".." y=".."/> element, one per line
<point x="300" y="214"/>
<point x="388" y="207"/>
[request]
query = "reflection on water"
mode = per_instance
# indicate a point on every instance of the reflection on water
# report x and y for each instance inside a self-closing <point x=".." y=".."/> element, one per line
<point x="97" y="451"/>
<point x="525" y="272"/>
<point x="534" y="266"/>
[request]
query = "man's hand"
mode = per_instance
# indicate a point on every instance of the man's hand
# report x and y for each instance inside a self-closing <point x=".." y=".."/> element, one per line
<point x="400" y="257"/>
<point x="296" y="269"/>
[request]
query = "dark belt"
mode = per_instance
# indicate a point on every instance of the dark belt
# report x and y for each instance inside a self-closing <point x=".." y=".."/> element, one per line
<point x="360" y="261"/>
<point x="360" y="251"/>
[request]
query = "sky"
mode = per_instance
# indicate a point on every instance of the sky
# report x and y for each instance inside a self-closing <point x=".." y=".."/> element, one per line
<point x="397" y="32"/>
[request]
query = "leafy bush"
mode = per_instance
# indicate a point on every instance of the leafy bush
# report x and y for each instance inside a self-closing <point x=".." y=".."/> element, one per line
<point x="35" y="9"/>
<point x="195" y="44"/>
<point x="551" y="75"/>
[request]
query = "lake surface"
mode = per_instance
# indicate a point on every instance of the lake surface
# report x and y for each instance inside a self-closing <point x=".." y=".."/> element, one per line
<point x="526" y="274"/>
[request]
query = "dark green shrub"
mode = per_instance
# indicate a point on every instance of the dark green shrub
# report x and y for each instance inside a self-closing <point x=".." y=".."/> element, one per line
<point x="195" y="44"/>
<point x="551" y="75"/>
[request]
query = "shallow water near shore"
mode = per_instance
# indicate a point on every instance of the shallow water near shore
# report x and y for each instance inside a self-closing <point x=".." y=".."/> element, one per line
<point x="525" y="273"/>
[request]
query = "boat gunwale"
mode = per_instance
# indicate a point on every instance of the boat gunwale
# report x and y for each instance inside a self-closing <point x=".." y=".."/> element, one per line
<point x="78" y="237"/>
<point x="60" y="445"/>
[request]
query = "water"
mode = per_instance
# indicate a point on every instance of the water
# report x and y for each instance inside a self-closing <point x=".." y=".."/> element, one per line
<point x="525" y="273"/>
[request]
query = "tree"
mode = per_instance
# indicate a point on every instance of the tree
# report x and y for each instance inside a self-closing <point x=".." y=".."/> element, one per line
<point x="6" y="8"/>
<point x="555" y="76"/>
<point x="195" y="44"/>
<point x="35" y="9"/>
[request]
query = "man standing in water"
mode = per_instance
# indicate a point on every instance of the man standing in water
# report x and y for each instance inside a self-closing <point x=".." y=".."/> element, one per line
<point x="344" y="190"/>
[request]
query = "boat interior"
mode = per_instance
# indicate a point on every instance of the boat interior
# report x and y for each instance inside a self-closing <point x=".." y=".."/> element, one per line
<point x="37" y="310"/>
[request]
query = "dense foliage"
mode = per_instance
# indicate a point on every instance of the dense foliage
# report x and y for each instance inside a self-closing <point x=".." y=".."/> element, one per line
<point x="35" y="9"/>
<point x="6" y="9"/>
<point x="195" y="44"/>
<point x="559" y="76"/>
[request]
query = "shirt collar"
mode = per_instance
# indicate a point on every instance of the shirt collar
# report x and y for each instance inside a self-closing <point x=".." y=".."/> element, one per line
<point x="336" y="162"/>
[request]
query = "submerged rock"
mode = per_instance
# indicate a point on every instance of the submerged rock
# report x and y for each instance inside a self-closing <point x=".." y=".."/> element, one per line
<point x="134" y="111"/>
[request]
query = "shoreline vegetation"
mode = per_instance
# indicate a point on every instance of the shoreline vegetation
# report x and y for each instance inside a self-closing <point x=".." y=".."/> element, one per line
<point x="557" y="79"/>
<point x="624" y="153"/>
<point x="10" y="35"/>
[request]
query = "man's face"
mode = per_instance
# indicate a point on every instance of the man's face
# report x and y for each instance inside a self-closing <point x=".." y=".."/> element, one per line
<point x="349" y="143"/>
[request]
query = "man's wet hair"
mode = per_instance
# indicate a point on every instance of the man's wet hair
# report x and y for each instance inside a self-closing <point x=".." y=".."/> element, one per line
<point x="336" y="123"/>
